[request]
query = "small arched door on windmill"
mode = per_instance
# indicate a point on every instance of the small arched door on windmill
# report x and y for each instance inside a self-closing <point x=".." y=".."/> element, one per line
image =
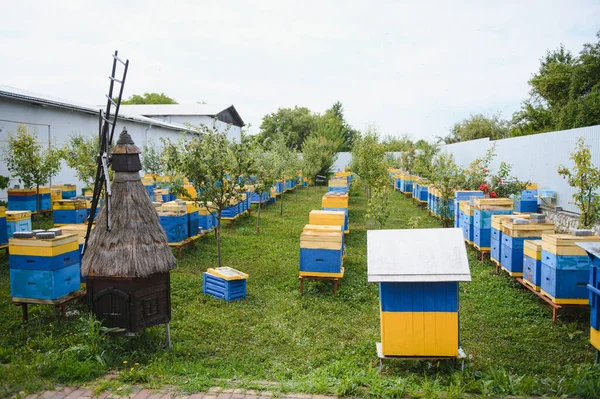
<point x="112" y="306"/>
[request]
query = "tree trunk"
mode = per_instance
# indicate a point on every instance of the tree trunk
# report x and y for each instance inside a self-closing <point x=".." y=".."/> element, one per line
<point x="296" y="190"/>
<point x="281" y="203"/>
<point x="258" y="215"/>
<point x="218" y="234"/>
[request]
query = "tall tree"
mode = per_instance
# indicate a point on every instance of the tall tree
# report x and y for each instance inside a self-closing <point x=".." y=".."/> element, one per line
<point x="478" y="126"/>
<point x="294" y="125"/>
<point x="81" y="154"/>
<point x="149" y="98"/>
<point x="347" y="132"/>
<point x="151" y="159"/>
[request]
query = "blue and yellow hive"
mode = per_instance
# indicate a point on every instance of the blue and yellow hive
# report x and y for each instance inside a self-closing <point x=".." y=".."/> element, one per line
<point x="418" y="289"/>
<point x="225" y="283"/>
<point x="3" y="231"/>
<point x="22" y="199"/>
<point x="328" y="218"/>
<point x="45" y="269"/>
<point x="321" y="253"/>
<point x="532" y="263"/>
<point x="466" y="210"/>
<point x="338" y="183"/>
<point x="17" y="221"/>
<point x="496" y="237"/>
<point x="484" y="208"/>
<point x="565" y="268"/>
<point x="174" y="221"/>
<point x="70" y="211"/>
<point x="527" y="200"/>
<point x="513" y="242"/>
<point x="69" y="191"/>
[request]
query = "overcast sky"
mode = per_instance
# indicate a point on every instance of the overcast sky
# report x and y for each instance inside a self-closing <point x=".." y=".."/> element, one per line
<point x="407" y="67"/>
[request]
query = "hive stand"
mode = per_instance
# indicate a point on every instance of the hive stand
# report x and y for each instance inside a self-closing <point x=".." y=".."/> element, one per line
<point x="60" y="303"/>
<point x="334" y="279"/>
<point x="555" y="307"/>
<point x="461" y="356"/>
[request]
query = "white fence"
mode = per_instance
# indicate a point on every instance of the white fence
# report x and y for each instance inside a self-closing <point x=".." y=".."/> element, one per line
<point x="535" y="158"/>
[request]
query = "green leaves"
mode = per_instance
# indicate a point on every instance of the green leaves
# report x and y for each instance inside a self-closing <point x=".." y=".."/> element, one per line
<point x="81" y="153"/>
<point x="149" y="98"/>
<point x="151" y="159"/>
<point x="585" y="178"/>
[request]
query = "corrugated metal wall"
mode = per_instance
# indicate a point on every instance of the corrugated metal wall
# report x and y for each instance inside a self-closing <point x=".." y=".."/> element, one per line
<point x="535" y="158"/>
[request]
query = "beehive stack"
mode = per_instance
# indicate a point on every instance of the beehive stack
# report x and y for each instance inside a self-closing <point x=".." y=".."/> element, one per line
<point x="70" y="211"/>
<point x="422" y="191"/>
<point x="514" y="233"/>
<point x="496" y="236"/>
<point x="3" y="229"/>
<point x="484" y="208"/>
<point x="348" y="174"/>
<point x="21" y="199"/>
<point x="17" y="221"/>
<point x="232" y="211"/>
<point x="69" y="191"/>
<point x="462" y="195"/>
<point x="44" y="269"/>
<point x="174" y="221"/>
<point x="336" y="201"/>
<point x="321" y="253"/>
<point x="467" y="222"/>
<point x="593" y="251"/>
<point x="527" y="201"/>
<point x="339" y="184"/>
<point x="207" y="219"/>
<point x="565" y="268"/>
<point x="225" y="283"/>
<point x="45" y="199"/>
<point x="532" y="263"/>
<point x="406" y="183"/>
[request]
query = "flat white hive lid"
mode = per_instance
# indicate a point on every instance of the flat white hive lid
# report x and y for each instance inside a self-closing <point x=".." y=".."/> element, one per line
<point x="417" y="255"/>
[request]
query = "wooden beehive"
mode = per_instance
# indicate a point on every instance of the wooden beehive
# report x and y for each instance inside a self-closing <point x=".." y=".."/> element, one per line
<point x="513" y="240"/>
<point x="407" y="268"/>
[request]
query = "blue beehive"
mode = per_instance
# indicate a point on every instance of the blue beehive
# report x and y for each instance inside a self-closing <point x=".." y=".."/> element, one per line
<point x="321" y="253"/>
<point x="532" y="263"/>
<point x="17" y="221"/>
<point x="513" y="243"/>
<point x="45" y="198"/>
<point x="419" y="301"/>
<point x="593" y="251"/>
<point x="467" y="222"/>
<point x="44" y="269"/>
<point x="20" y="199"/>
<point x="565" y="268"/>
<point x="3" y="231"/>
<point x="225" y="283"/>
<point x="174" y="221"/>
<point x="485" y="208"/>
<point x="206" y="219"/>
<point x="69" y="191"/>
<point x="263" y="197"/>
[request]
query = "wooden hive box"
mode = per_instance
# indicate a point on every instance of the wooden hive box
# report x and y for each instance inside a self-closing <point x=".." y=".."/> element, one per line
<point x="17" y="221"/>
<point x="225" y="283"/>
<point x="532" y="263"/>
<point x="336" y="218"/>
<point x="174" y="221"/>
<point x="496" y="236"/>
<point x="565" y="268"/>
<point x="418" y="289"/>
<point x="321" y="253"/>
<point x="493" y="203"/>
<point x="44" y="269"/>
<point x="513" y="241"/>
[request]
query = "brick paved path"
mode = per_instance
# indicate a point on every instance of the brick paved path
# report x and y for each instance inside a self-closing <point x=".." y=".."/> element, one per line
<point x="138" y="392"/>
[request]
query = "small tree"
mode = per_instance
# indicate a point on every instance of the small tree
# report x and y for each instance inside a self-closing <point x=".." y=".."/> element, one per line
<point x="447" y="177"/>
<point x="30" y="161"/>
<point x="151" y="159"/>
<point x="81" y="154"/>
<point x="379" y="202"/>
<point x="170" y="163"/>
<point x="264" y="173"/>
<point x="585" y="178"/>
<point x="217" y="167"/>
<point x="318" y="156"/>
<point x="368" y="159"/>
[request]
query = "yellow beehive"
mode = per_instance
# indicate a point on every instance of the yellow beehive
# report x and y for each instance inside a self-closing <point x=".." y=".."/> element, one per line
<point x="172" y="209"/>
<point x="493" y="203"/>
<point x="526" y="230"/>
<point x="532" y="186"/>
<point x="15" y="216"/>
<point x="65" y="187"/>
<point x="335" y="200"/>
<point x="533" y="249"/>
<point x="338" y="182"/>
<point x="335" y="218"/>
<point x="192" y="206"/>
<point x="323" y="228"/>
<point x="51" y="247"/>
<point x="68" y="205"/>
<point x="346" y="174"/>
<point x="190" y="190"/>
<point x="466" y="208"/>
<point x="497" y="220"/>
<point x="313" y="239"/>
<point x="44" y="190"/>
<point x="2" y="211"/>
<point x="55" y="194"/>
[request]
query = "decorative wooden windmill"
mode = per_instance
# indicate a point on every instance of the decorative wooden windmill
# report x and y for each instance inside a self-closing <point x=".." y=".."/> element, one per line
<point x="126" y="257"/>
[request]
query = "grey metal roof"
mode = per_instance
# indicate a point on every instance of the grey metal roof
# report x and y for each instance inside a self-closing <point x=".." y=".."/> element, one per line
<point x="44" y="99"/>
<point x="210" y="110"/>
<point x="417" y="255"/>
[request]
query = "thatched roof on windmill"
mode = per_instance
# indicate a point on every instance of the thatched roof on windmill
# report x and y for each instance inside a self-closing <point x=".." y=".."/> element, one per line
<point x="137" y="245"/>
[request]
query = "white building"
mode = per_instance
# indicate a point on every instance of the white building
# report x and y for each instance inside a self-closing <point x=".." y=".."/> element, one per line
<point x="54" y="119"/>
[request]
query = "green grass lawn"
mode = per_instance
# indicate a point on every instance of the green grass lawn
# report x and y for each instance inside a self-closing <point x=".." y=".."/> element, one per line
<point x="318" y="342"/>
